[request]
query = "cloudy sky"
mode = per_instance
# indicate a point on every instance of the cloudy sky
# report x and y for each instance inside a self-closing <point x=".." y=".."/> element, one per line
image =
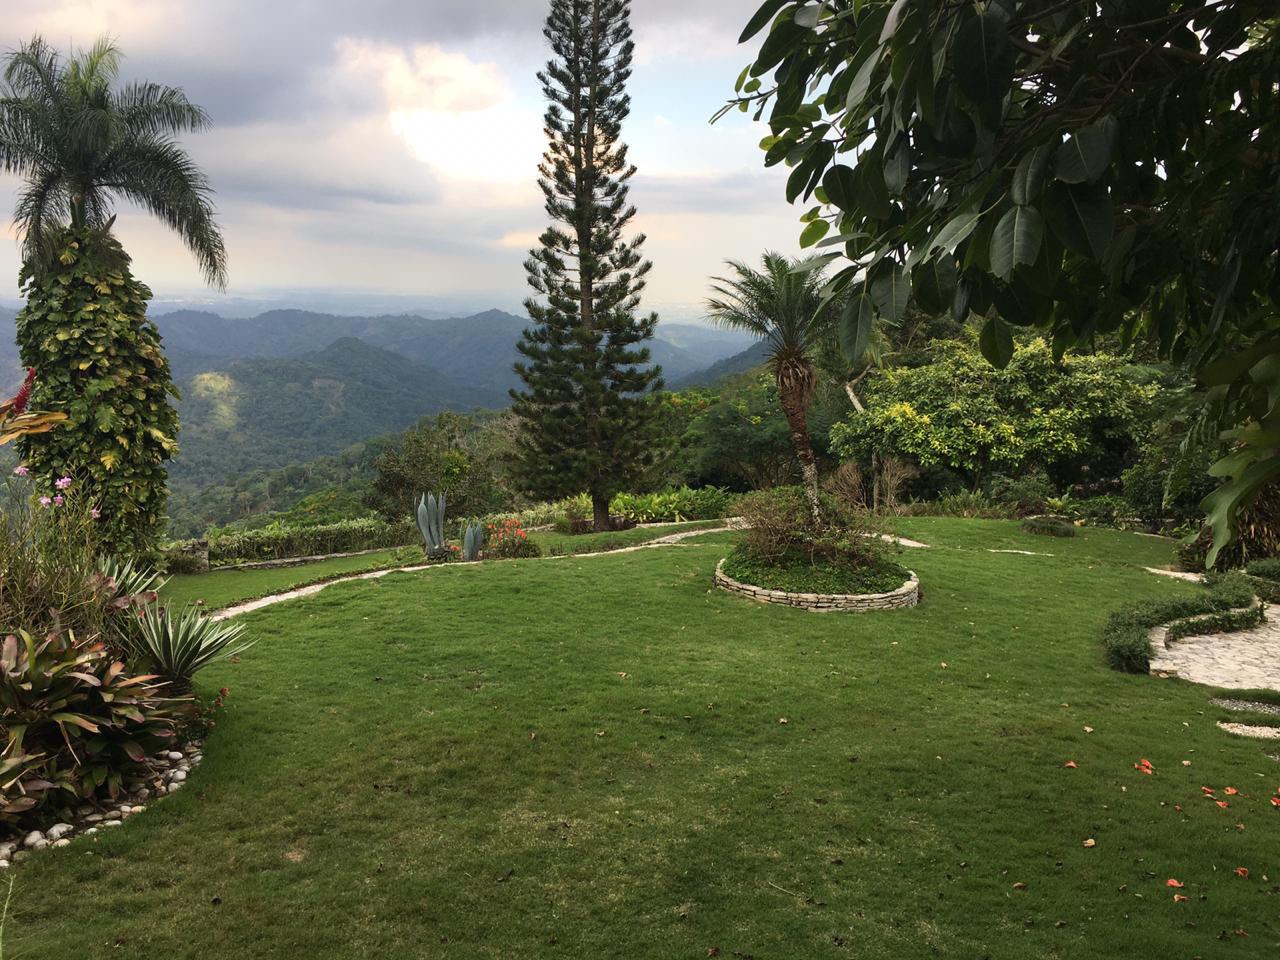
<point x="391" y="146"/>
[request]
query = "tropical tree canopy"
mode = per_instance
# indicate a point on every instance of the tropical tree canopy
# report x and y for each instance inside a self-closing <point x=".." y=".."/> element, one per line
<point x="1085" y="168"/>
<point x="81" y="142"/>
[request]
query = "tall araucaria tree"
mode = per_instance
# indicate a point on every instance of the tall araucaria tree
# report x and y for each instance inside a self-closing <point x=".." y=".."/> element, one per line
<point x="80" y="141"/>
<point x="588" y="420"/>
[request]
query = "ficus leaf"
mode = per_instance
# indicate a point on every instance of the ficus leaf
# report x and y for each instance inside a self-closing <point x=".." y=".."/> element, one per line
<point x="1016" y="240"/>
<point x="996" y="342"/>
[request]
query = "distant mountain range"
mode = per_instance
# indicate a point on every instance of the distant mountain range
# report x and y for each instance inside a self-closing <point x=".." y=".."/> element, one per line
<point x="289" y="386"/>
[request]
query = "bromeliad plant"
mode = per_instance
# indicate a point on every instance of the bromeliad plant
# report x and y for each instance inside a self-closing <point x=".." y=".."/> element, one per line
<point x="76" y="725"/>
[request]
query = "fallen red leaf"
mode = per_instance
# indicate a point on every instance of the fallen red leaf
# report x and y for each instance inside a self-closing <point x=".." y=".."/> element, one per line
<point x="1070" y="765"/>
<point x="1222" y="803"/>
<point x="1230" y="791"/>
<point x="1174" y="883"/>
<point x="1242" y="873"/>
<point x="1179" y="898"/>
<point x="1275" y="801"/>
<point x="1208" y="791"/>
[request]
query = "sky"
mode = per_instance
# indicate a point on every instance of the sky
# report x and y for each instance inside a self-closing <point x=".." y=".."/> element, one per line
<point x="388" y="148"/>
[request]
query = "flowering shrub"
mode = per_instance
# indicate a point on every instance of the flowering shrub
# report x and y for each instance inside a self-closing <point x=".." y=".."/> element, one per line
<point x="507" y="539"/>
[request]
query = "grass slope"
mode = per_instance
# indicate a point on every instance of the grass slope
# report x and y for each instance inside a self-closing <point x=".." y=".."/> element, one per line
<point x="586" y="758"/>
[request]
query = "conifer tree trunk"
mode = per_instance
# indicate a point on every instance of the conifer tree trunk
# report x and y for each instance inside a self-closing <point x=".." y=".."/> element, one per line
<point x="587" y="419"/>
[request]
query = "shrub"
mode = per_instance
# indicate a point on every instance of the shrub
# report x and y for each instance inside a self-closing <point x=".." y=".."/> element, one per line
<point x="508" y="540"/>
<point x="1049" y="527"/>
<point x="77" y="725"/>
<point x="178" y="645"/>
<point x="1104" y="511"/>
<point x="282" y="543"/>
<point x="673" y="506"/>
<point x="1027" y="494"/>
<point x="47" y="559"/>
<point x="780" y="524"/>
<point x="85" y="328"/>
<point x="1267" y="568"/>
<point x="1228" y="602"/>
<point x="963" y="503"/>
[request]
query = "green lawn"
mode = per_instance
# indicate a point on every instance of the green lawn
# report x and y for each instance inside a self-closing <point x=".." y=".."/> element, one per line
<point x="588" y="758"/>
<point x="224" y="587"/>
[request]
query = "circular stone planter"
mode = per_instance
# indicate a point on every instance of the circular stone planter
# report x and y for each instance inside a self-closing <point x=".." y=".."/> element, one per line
<point x="907" y="595"/>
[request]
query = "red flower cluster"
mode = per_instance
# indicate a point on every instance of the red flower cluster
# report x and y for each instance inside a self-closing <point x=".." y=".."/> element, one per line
<point x="23" y="396"/>
<point x="507" y="529"/>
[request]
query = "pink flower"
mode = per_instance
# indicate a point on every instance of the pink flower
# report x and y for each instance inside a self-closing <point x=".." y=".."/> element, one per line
<point x="45" y="501"/>
<point x="21" y="471"/>
<point x="57" y="501"/>
<point x="95" y="513"/>
<point x="62" y="483"/>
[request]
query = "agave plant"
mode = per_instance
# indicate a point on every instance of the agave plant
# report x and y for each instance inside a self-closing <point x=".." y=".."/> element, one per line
<point x="472" y="541"/>
<point x="431" y="526"/>
<point x="180" y="644"/>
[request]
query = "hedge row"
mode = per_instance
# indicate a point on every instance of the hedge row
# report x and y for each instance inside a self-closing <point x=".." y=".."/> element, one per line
<point x="1227" y="605"/>
<point x="282" y="543"/>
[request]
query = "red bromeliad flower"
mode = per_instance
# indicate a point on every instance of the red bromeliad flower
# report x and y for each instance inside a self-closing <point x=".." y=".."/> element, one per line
<point x="23" y="396"/>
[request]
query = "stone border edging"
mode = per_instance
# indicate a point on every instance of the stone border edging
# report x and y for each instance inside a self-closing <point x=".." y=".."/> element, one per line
<point x="907" y="595"/>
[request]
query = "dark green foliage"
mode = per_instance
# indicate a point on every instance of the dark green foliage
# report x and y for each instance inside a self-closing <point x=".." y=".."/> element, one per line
<point x="588" y="421"/>
<point x="280" y="542"/>
<point x="797" y="571"/>
<point x="1227" y="604"/>
<point x="1049" y="527"/>
<point x="1027" y="493"/>
<point x="462" y="457"/>
<point x="266" y="413"/>
<point x="1111" y="511"/>
<point x="86" y="330"/>
<point x="1267" y="568"/>
<point x="1058" y="165"/>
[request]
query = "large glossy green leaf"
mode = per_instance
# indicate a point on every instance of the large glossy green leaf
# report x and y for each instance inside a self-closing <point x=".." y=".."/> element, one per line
<point x="982" y="59"/>
<point x="954" y="232"/>
<point x="814" y="232"/>
<point x="1087" y="153"/>
<point x="996" y="342"/>
<point x="890" y="291"/>
<point x="871" y="191"/>
<point x="840" y="185"/>
<point x="1016" y="240"/>
<point x="934" y="283"/>
<point x="768" y="10"/>
<point x="1030" y="175"/>
<point x="1081" y="217"/>
<point x="854" y="328"/>
<point x="897" y="166"/>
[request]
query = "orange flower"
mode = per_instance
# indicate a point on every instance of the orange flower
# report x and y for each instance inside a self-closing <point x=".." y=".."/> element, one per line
<point x="1242" y="873"/>
<point x="1174" y="883"/>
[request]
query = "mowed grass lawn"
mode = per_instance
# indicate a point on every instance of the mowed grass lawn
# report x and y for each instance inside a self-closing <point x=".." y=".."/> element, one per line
<point x="604" y="757"/>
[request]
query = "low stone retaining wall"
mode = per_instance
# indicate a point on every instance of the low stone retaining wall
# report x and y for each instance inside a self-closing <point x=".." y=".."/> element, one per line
<point x="907" y="595"/>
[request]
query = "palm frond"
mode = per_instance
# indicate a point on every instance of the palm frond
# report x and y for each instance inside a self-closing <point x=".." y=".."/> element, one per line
<point x="159" y="176"/>
<point x="148" y="109"/>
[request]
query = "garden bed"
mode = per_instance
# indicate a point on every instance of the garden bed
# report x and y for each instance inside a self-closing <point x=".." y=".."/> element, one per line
<point x="824" y="588"/>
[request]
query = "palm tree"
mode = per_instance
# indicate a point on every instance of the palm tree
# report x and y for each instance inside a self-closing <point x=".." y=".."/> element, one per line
<point x="783" y="305"/>
<point x="80" y="141"/>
